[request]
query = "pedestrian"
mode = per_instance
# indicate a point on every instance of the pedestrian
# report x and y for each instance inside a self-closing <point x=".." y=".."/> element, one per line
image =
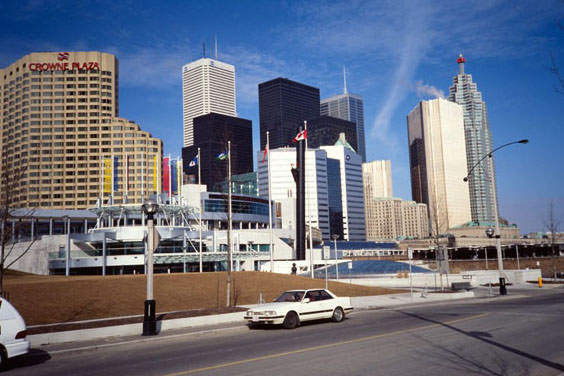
<point x="294" y="269"/>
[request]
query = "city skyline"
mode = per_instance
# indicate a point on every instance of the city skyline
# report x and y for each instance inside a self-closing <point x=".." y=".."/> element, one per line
<point x="399" y="55"/>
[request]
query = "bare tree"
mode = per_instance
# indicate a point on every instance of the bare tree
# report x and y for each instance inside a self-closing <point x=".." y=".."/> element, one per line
<point x="438" y="224"/>
<point x="552" y="224"/>
<point x="11" y="176"/>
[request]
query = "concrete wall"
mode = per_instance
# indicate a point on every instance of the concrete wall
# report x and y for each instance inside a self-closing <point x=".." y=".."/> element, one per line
<point x="433" y="280"/>
<point x="35" y="254"/>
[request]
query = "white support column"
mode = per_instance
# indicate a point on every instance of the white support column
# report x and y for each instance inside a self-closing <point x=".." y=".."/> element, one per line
<point x="104" y="255"/>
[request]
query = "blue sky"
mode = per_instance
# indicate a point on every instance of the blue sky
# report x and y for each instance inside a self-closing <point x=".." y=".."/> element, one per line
<point x="396" y="53"/>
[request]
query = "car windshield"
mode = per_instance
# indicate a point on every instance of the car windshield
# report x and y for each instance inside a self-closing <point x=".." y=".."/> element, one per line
<point x="290" y="296"/>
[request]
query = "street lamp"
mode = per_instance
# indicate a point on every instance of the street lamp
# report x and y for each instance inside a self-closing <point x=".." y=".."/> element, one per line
<point x="150" y="208"/>
<point x="335" y="237"/>
<point x="502" y="288"/>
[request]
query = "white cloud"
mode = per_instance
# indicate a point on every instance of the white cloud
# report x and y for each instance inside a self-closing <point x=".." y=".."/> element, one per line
<point x="425" y="90"/>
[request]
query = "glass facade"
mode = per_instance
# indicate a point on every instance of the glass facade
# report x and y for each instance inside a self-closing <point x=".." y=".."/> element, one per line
<point x="335" y="202"/>
<point x="478" y="143"/>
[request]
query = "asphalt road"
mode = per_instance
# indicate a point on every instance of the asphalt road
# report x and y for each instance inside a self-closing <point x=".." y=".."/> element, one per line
<point x="486" y="336"/>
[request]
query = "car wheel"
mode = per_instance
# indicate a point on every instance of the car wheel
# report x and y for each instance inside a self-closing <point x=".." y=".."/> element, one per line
<point x="338" y="315"/>
<point x="3" y="359"/>
<point x="291" y="320"/>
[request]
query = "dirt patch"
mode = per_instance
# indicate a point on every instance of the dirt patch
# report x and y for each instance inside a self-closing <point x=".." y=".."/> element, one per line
<point x="59" y="299"/>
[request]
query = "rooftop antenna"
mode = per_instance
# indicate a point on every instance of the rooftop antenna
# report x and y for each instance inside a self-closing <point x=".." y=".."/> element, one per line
<point x="215" y="47"/>
<point x="204" y="49"/>
<point x="345" y="78"/>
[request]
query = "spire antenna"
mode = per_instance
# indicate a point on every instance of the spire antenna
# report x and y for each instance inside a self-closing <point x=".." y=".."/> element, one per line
<point x="204" y="49"/>
<point x="215" y="46"/>
<point x="345" y="79"/>
<point x="461" y="60"/>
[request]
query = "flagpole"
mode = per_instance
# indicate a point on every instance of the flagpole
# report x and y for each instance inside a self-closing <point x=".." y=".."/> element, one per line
<point x="169" y="180"/>
<point x="308" y="210"/>
<point x="102" y="182"/>
<point x="269" y="201"/>
<point x="200" y="201"/>
<point x="112" y="181"/>
<point x="142" y="179"/>
<point x="126" y="185"/>
<point x="229" y="265"/>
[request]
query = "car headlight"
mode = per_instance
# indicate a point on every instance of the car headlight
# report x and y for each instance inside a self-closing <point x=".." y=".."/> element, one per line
<point x="249" y="313"/>
<point x="270" y="313"/>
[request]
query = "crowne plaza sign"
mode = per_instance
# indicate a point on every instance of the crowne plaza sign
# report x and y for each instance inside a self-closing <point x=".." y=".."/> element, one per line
<point x="64" y="65"/>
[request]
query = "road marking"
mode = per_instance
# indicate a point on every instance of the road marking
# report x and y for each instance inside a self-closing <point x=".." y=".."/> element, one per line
<point x="320" y="347"/>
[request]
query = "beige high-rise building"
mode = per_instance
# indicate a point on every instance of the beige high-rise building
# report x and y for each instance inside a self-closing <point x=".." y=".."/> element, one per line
<point x="208" y="85"/>
<point x="59" y="130"/>
<point x="394" y="218"/>
<point x="377" y="178"/>
<point x="437" y="158"/>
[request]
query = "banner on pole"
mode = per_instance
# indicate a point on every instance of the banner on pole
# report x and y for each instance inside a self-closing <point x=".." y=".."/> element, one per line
<point x="155" y="188"/>
<point x="116" y="173"/>
<point x="107" y="175"/>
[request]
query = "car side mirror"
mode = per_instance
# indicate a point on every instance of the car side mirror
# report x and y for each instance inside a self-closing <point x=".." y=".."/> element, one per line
<point x="306" y="300"/>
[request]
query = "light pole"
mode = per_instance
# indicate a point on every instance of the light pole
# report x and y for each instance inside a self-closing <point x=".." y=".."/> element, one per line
<point x="502" y="288"/>
<point x="150" y="208"/>
<point x="335" y="237"/>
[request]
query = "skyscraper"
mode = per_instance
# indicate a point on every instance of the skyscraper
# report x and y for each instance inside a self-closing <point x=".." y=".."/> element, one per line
<point x="437" y="160"/>
<point x="377" y="178"/>
<point x="326" y="130"/>
<point x="208" y="85"/>
<point x="349" y="107"/>
<point x="59" y="127"/>
<point x="283" y="106"/>
<point x="345" y="164"/>
<point x="478" y="143"/>
<point x="211" y="133"/>
<point x="284" y="187"/>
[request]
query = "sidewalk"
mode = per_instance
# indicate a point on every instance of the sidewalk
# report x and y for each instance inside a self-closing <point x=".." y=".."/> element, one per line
<point x="359" y="303"/>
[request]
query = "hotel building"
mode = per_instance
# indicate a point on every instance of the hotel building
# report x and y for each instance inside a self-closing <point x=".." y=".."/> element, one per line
<point x="59" y="130"/>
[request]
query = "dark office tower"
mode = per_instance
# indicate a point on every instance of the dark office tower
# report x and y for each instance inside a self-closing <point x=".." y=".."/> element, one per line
<point x="211" y="133"/>
<point x="325" y="130"/>
<point x="283" y="105"/>
<point x="349" y="107"/>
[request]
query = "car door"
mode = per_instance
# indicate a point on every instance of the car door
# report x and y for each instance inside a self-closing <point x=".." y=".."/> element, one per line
<point x="327" y="303"/>
<point x="314" y="309"/>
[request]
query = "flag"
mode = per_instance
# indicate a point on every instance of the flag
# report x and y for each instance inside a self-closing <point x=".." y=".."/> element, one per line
<point x="173" y="177"/>
<point x="193" y="162"/>
<point x="107" y="175"/>
<point x="166" y="173"/>
<point x="221" y="156"/>
<point x="116" y="173"/>
<point x="264" y="155"/>
<point x="300" y="136"/>
<point x="155" y="167"/>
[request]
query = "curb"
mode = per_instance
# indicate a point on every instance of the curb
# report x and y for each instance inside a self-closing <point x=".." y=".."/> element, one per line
<point x="359" y="303"/>
<point x="131" y="329"/>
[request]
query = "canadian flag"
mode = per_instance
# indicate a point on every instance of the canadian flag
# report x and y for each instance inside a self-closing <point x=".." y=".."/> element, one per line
<point x="300" y="136"/>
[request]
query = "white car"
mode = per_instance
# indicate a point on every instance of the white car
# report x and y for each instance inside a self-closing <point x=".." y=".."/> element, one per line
<point x="12" y="333"/>
<point x="295" y="306"/>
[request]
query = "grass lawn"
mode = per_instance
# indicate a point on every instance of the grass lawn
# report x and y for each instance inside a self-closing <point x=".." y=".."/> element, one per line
<point x="57" y="299"/>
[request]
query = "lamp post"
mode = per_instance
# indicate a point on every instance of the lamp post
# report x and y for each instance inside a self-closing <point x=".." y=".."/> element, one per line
<point x="335" y="237"/>
<point x="502" y="288"/>
<point x="150" y="208"/>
